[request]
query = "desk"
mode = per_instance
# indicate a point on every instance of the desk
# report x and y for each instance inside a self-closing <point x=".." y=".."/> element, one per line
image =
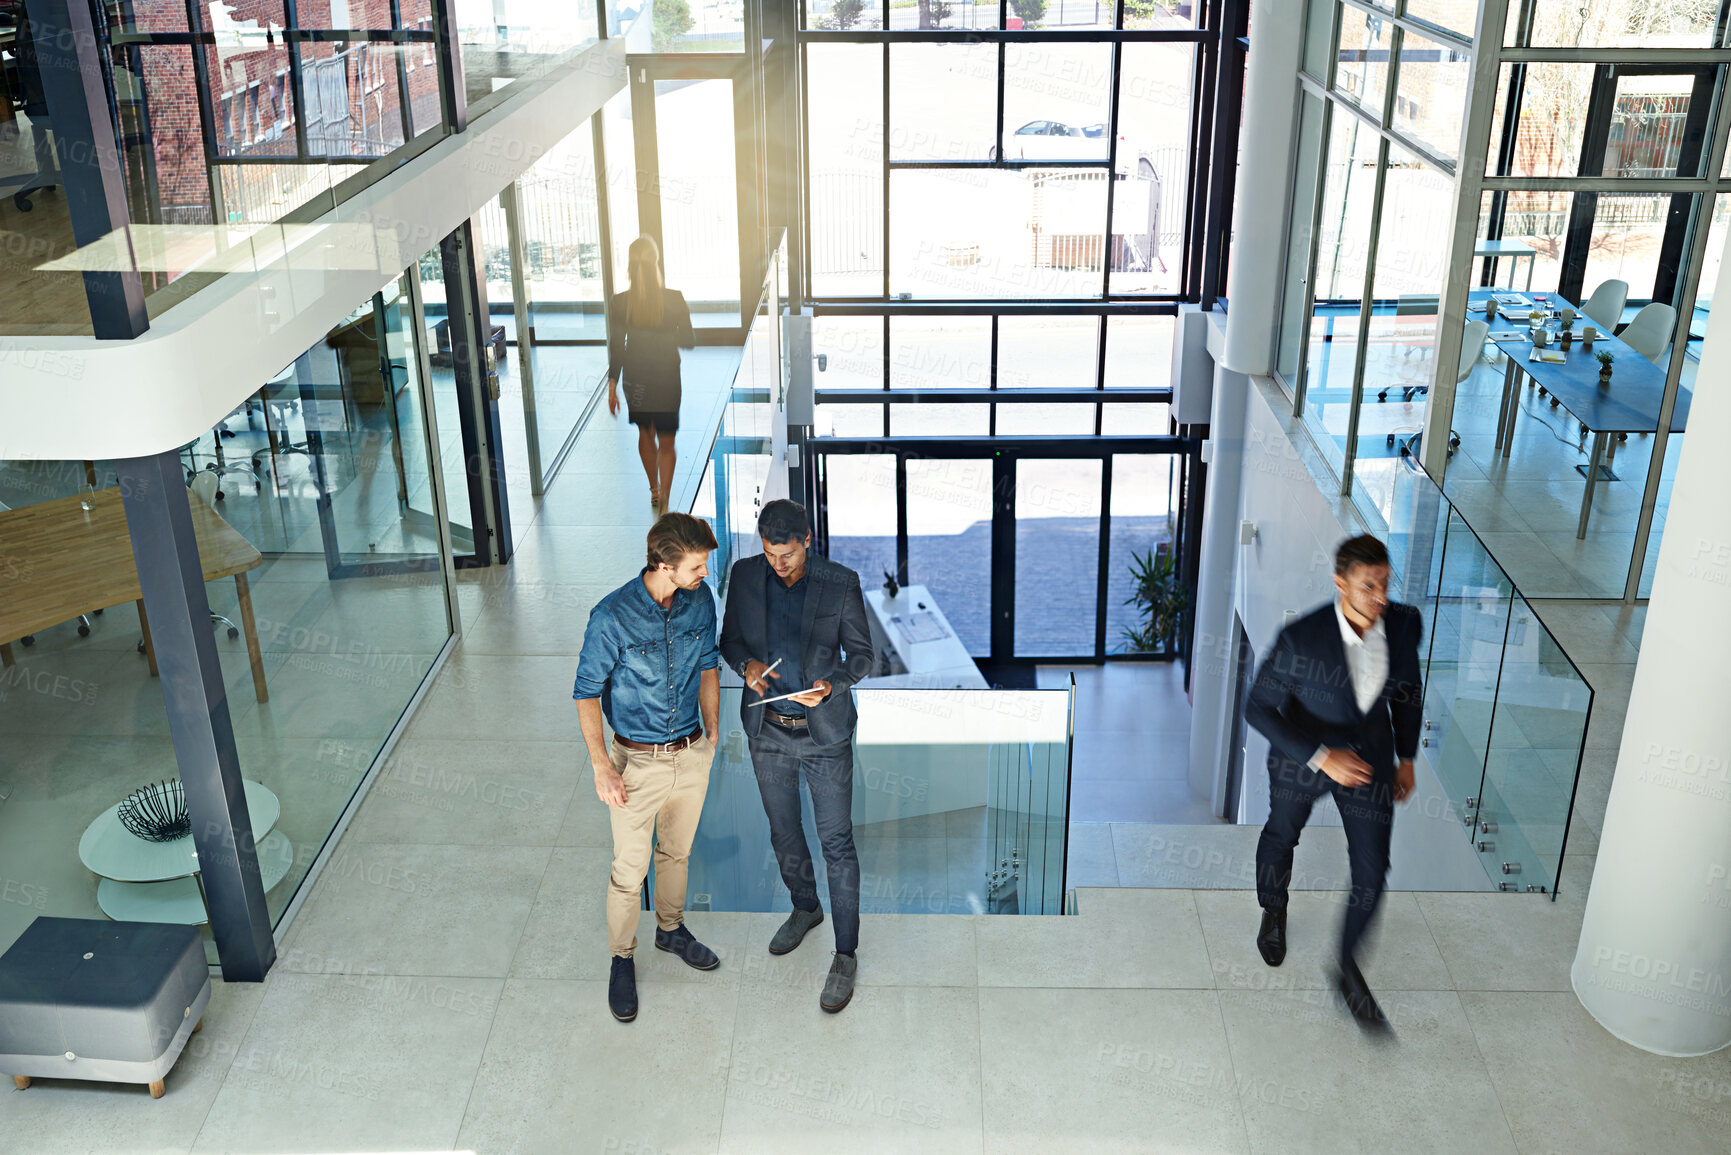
<point x="1628" y="404"/>
<point x="82" y="561"/>
<point x="1512" y="252"/>
<point x="943" y="663"/>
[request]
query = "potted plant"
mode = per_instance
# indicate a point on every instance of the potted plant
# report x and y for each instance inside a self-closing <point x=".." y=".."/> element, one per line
<point x="1160" y="596"/>
<point x="1568" y="324"/>
<point x="1605" y="360"/>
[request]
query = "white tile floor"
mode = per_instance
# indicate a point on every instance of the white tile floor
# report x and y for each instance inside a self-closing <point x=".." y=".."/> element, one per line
<point x="456" y="1001"/>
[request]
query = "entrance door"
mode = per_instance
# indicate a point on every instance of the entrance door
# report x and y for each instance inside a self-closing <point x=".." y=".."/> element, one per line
<point x="698" y="193"/>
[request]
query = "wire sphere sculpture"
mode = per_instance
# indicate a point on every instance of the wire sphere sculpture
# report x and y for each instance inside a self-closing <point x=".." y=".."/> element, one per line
<point x="157" y="812"/>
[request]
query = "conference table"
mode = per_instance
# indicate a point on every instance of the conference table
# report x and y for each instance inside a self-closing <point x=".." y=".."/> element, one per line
<point x="72" y="561"/>
<point x="1629" y="403"/>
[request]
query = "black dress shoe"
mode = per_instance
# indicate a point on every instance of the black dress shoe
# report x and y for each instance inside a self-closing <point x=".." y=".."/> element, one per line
<point x="679" y="941"/>
<point x="622" y="989"/>
<point x="1271" y="939"/>
<point x="1359" y="1000"/>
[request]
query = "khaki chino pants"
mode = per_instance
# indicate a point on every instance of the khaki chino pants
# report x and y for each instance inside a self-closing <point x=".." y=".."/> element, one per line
<point x="664" y="798"/>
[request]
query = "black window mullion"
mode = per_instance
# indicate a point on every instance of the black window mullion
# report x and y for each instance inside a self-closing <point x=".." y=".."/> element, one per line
<point x="902" y="517"/>
<point x="884" y="240"/>
<point x="1106" y="250"/>
<point x="992" y="380"/>
<point x="1100" y="594"/>
<point x="297" y="82"/>
<point x="1100" y="379"/>
<point x="886" y="385"/>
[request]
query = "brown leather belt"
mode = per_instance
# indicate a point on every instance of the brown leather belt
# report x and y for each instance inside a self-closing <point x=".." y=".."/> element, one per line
<point x="785" y="721"/>
<point x="672" y="747"/>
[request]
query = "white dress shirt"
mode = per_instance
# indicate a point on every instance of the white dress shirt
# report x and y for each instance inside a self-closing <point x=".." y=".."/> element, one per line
<point x="1366" y="662"/>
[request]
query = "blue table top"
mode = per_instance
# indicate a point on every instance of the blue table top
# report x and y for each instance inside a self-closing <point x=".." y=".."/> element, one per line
<point x="1629" y="404"/>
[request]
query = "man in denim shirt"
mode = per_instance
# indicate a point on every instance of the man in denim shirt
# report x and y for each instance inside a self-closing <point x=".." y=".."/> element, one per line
<point x="650" y="665"/>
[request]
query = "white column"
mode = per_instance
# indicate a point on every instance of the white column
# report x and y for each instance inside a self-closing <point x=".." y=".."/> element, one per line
<point x="1265" y="143"/>
<point x="1654" y="962"/>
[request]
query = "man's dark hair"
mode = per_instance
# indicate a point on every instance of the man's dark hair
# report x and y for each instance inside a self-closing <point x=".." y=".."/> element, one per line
<point x="676" y="535"/>
<point x="782" y="521"/>
<point x="1361" y="550"/>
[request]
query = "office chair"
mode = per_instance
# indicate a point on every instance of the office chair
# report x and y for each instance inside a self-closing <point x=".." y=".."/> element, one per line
<point x="1650" y="332"/>
<point x="204" y="489"/>
<point x="289" y="403"/>
<point x="1605" y="307"/>
<point x="1472" y="346"/>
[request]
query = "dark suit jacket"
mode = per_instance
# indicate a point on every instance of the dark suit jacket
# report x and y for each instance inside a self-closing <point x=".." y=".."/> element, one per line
<point x="1303" y="696"/>
<point x="836" y="641"/>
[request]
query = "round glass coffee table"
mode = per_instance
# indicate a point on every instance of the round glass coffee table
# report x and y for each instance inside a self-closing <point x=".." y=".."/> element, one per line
<point x="157" y="881"/>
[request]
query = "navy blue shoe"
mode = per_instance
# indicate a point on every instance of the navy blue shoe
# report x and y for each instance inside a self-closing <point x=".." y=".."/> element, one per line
<point x="622" y="989"/>
<point x="679" y="941"/>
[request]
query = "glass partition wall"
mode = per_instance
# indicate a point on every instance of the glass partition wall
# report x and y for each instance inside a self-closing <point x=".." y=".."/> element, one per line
<point x="317" y="507"/>
<point x="1601" y="191"/>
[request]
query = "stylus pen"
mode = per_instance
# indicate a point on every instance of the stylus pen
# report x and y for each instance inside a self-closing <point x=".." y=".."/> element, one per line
<point x="766" y="671"/>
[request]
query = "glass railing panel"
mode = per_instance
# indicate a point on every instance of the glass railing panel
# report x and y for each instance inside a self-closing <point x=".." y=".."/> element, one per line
<point x="1536" y="737"/>
<point x="947" y="785"/>
<point x="1468" y="628"/>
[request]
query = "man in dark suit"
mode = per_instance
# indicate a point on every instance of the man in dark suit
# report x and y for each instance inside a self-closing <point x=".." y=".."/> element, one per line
<point x="791" y="617"/>
<point x="1340" y="700"/>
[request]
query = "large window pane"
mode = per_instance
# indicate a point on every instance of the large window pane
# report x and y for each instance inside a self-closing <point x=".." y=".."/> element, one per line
<point x="699" y="210"/>
<point x="861" y="512"/>
<point x="504" y="41"/>
<point x="1138" y="352"/>
<point x="1047" y="352"/>
<point x="1152" y="171"/>
<point x="617" y="144"/>
<point x="1552" y="121"/>
<point x="1159" y="15"/>
<point x="1144" y="518"/>
<point x="943" y="101"/>
<point x="1627" y="232"/>
<point x="950" y="542"/>
<point x="1298" y="237"/>
<point x="940" y="419"/>
<point x="1319" y="37"/>
<point x="844" y="95"/>
<point x="1361" y="70"/>
<point x="1619" y="24"/>
<point x="1056" y="101"/>
<point x="1460" y="16"/>
<point x="940" y="352"/>
<point x="954" y="14"/>
<point x="1407" y="285"/>
<point x="1343" y="236"/>
<point x="1648" y="119"/>
<point x="1035" y="233"/>
<point x="1538" y="220"/>
<point x="1057" y="556"/>
<point x="849" y="352"/>
<point x="1431" y="94"/>
<point x="841" y="15"/>
<point x="1066" y="419"/>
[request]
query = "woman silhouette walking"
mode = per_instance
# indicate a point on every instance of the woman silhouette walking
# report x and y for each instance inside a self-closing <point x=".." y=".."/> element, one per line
<point x="647" y="325"/>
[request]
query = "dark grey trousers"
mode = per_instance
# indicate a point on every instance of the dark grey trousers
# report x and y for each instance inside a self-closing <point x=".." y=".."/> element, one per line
<point x="778" y="756"/>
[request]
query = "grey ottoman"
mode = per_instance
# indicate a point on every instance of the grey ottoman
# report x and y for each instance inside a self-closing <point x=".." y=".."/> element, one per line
<point x="90" y="999"/>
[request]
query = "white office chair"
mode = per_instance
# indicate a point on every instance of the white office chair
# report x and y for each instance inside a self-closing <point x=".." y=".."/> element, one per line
<point x="1605" y="307"/>
<point x="1472" y="346"/>
<point x="1650" y="332"/>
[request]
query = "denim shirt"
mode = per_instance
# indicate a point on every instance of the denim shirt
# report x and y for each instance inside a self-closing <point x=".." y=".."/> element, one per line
<point x="644" y="662"/>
